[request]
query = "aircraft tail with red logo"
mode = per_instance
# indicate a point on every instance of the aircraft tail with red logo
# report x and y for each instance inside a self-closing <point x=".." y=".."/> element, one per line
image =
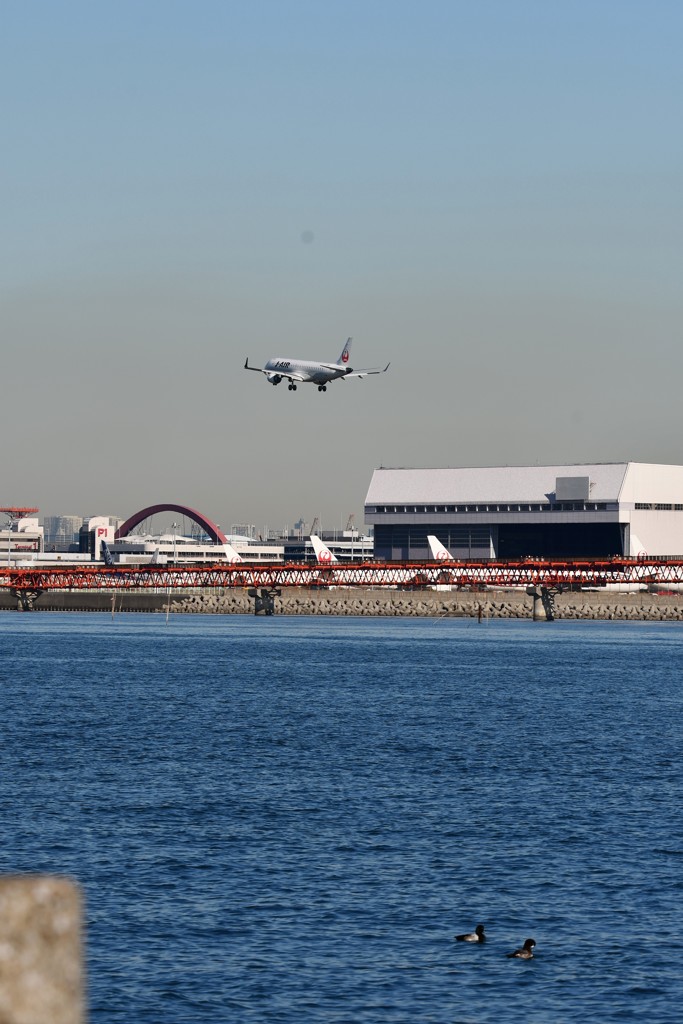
<point x="345" y="353"/>
<point x="439" y="552"/>
<point x="322" y="552"/>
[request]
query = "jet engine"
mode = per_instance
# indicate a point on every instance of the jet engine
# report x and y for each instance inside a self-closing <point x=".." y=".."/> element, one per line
<point x="274" y="378"/>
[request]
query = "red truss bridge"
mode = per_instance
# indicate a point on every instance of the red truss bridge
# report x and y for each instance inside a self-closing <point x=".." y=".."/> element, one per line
<point x="523" y="573"/>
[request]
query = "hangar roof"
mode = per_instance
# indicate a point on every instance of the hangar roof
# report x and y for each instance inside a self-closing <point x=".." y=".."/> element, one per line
<point x="608" y="482"/>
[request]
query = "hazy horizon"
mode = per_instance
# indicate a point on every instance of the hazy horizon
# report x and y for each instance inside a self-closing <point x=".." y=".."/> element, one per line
<point x="488" y="196"/>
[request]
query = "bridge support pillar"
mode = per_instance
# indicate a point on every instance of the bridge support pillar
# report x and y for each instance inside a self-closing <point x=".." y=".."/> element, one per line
<point x="265" y="602"/>
<point x="544" y="603"/>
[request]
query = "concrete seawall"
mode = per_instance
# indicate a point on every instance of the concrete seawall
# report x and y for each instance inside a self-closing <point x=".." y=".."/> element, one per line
<point x="434" y="604"/>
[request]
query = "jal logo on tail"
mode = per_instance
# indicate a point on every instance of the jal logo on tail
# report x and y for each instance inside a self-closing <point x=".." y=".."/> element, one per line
<point x="345" y="355"/>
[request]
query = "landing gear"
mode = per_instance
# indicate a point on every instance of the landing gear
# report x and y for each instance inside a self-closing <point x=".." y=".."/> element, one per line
<point x="291" y="387"/>
<point x="321" y="387"/>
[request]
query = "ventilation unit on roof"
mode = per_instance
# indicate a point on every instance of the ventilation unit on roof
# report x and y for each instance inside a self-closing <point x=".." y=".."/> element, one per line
<point x="572" y="488"/>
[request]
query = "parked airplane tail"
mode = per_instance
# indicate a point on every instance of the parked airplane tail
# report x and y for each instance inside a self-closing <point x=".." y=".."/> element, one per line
<point x="439" y="552"/>
<point x="322" y="552"/>
<point x="231" y="556"/>
<point x="345" y="352"/>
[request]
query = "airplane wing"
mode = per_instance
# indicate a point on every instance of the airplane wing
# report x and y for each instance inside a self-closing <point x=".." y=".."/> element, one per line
<point x="269" y="373"/>
<point x="358" y="373"/>
<point x="365" y="373"/>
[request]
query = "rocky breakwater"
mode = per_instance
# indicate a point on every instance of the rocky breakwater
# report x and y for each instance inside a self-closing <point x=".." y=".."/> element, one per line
<point x="465" y="604"/>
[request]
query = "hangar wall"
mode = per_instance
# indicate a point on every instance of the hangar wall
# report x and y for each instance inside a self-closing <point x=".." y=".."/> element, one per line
<point x="569" y="511"/>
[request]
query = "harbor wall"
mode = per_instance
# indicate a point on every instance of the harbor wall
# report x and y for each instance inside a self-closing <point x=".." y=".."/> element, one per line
<point x="435" y="604"/>
<point x="463" y="604"/>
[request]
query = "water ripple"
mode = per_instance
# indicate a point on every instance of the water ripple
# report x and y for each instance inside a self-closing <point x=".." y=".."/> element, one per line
<point x="288" y="820"/>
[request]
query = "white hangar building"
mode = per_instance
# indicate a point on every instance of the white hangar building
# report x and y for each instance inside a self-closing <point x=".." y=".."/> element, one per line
<point x="620" y="508"/>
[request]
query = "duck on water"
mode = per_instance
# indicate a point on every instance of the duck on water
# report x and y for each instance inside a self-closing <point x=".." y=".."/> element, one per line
<point x="525" y="953"/>
<point x="476" y="936"/>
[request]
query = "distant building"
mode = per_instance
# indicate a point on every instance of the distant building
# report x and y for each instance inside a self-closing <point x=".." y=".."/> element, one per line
<point x="62" y="532"/>
<point x="508" y="512"/>
<point x="244" y="530"/>
<point x="346" y="546"/>
<point x="95" y="530"/>
<point x="178" y="549"/>
<point x="20" y="541"/>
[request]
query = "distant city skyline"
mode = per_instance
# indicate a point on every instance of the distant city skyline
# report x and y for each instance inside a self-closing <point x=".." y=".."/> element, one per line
<point x="64" y="527"/>
<point x="486" y="195"/>
<point x="59" y="522"/>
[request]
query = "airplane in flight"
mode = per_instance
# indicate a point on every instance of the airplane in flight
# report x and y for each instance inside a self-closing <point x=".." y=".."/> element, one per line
<point x="301" y="371"/>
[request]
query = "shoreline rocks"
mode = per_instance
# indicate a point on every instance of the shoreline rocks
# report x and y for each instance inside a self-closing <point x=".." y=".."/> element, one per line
<point x="488" y="604"/>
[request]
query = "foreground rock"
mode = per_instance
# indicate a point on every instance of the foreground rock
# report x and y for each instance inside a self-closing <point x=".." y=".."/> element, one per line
<point x="42" y="979"/>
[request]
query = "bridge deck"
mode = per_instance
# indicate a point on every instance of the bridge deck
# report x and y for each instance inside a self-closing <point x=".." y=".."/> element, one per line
<point x="588" y="573"/>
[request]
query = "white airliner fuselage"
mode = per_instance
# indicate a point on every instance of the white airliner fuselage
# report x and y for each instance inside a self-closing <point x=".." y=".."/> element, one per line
<point x="302" y="371"/>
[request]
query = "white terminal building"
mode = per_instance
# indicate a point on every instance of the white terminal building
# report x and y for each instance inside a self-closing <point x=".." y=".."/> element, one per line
<point x="177" y="549"/>
<point x="509" y="512"/>
<point x="21" y="540"/>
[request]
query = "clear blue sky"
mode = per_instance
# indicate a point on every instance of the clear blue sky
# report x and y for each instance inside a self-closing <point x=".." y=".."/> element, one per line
<point x="494" y="194"/>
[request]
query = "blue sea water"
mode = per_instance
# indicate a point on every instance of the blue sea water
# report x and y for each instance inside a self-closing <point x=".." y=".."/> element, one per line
<point x="288" y="819"/>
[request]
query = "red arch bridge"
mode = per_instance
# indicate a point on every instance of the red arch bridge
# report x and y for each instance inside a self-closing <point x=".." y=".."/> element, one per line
<point x="610" y="573"/>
